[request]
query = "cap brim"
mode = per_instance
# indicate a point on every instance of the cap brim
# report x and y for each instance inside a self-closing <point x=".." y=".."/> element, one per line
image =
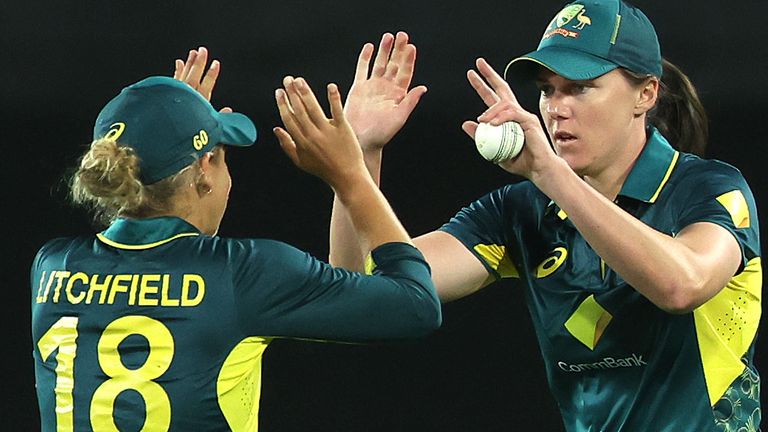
<point x="566" y="62"/>
<point x="237" y="129"/>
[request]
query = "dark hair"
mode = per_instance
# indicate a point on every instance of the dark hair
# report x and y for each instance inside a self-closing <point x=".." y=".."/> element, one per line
<point x="679" y="114"/>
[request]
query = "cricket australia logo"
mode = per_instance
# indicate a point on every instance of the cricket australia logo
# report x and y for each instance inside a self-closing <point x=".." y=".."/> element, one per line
<point x="566" y="16"/>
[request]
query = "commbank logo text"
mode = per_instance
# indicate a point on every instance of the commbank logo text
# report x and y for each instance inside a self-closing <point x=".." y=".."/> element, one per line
<point x="606" y="363"/>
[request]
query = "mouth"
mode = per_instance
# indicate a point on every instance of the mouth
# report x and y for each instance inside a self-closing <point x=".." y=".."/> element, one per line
<point x="564" y="137"/>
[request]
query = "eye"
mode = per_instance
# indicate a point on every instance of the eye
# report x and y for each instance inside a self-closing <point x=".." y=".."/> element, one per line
<point x="578" y="88"/>
<point x="545" y="89"/>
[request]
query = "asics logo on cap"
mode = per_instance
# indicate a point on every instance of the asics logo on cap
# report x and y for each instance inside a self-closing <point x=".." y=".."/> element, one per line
<point x="115" y="130"/>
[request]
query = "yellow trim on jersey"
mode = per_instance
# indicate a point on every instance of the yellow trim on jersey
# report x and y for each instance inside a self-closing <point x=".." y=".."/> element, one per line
<point x="238" y="386"/>
<point x="370" y="264"/>
<point x="726" y="326"/>
<point x="104" y="239"/>
<point x="666" y="177"/>
<point x="588" y="322"/>
<point x="737" y="207"/>
<point x="496" y="257"/>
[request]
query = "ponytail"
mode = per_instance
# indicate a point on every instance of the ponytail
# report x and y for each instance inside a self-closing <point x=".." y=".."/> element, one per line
<point x="107" y="184"/>
<point x="679" y="114"/>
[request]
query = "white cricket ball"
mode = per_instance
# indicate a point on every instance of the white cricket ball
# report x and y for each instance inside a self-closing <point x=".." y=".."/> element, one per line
<point x="499" y="143"/>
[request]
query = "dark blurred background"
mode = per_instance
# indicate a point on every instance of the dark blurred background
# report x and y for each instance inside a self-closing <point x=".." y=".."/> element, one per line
<point x="482" y="371"/>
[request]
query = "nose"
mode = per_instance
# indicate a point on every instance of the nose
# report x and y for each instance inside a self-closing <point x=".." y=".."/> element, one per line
<point x="556" y="109"/>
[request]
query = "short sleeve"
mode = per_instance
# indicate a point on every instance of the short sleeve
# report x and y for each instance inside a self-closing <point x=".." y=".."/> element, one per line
<point x="720" y="196"/>
<point x="485" y="228"/>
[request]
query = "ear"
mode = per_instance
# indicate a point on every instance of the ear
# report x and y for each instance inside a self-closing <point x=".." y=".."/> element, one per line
<point x="647" y="96"/>
<point x="204" y="185"/>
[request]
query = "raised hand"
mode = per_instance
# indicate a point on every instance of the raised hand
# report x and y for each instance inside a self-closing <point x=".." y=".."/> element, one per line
<point x="379" y="102"/>
<point x="325" y="147"/>
<point x="502" y="107"/>
<point x="193" y="72"/>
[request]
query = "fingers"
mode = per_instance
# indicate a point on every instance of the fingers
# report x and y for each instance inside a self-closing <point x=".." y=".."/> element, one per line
<point x="195" y="73"/>
<point x="287" y="144"/>
<point x="226" y="110"/>
<point x="185" y="66"/>
<point x="382" y="57"/>
<point x="498" y="83"/>
<point x="298" y="115"/>
<point x="334" y="99"/>
<point x="288" y="116"/>
<point x="309" y="101"/>
<point x="209" y="80"/>
<point x="500" y="113"/>
<point x="407" y="63"/>
<point x="178" y="69"/>
<point x="363" y="62"/>
<point x="486" y="93"/>
<point x="394" y="60"/>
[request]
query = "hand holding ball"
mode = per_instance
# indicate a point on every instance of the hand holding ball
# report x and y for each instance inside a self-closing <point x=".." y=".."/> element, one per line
<point x="499" y="143"/>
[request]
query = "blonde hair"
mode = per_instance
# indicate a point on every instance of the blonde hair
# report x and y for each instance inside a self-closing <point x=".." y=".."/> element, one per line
<point x="107" y="183"/>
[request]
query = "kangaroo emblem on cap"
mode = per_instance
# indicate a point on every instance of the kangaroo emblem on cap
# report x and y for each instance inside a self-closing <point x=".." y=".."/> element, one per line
<point x="583" y="20"/>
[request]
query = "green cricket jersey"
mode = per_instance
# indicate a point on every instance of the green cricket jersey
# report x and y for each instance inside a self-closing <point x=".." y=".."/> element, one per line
<point x="151" y="324"/>
<point x="615" y="361"/>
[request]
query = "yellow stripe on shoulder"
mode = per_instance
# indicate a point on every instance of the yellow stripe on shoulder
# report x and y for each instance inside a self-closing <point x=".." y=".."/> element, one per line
<point x="496" y="257"/>
<point x="737" y="207"/>
<point x="370" y="264"/>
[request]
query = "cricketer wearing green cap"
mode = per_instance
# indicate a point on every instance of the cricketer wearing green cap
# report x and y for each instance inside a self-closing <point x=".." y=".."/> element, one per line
<point x="639" y="260"/>
<point x="156" y="323"/>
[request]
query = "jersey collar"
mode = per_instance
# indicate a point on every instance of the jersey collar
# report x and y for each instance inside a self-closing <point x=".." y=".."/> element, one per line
<point x="650" y="173"/>
<point x="138" y="234"/>
<point x="652" y="169"/>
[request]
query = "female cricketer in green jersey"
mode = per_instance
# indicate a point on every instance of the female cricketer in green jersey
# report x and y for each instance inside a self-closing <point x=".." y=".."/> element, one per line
<point x="639" y="261"/>
<point x="156" y="323"/>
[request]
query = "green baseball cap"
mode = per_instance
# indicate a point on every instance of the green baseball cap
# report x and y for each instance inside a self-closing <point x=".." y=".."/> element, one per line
<point x="169" y="125"/>
<point x="590" y="38"/>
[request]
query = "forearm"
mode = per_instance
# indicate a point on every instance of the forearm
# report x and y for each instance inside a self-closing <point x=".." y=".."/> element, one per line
<point x="345" y="249"/>
<point x="367" y="211"/>
<point x="669" y="273"/>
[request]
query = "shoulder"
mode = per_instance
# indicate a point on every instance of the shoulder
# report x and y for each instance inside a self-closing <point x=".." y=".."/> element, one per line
<point x="695" y="168"/>
<point x="510" y="196"/>
<point x="62" y="246"/>
<point x="254" y="252"/>
<point x="699" y="177"/>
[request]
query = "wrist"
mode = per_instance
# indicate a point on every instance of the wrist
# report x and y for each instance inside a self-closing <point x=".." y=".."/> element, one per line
<point x="353" y="186"/>
<point x="547" y="174"/>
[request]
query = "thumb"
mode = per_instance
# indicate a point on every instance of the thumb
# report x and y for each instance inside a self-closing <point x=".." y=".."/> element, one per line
<point x="409" y="102"/>
<point x="470" y="128"/>
<point x="287" y="144"/>
<point x="225" y="110"/>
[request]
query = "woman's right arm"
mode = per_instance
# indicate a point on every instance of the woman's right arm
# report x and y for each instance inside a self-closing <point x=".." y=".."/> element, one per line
<point x="378" y="105"/>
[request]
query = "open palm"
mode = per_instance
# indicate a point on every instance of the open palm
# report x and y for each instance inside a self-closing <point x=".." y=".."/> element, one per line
<point x="379" y="102"/>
